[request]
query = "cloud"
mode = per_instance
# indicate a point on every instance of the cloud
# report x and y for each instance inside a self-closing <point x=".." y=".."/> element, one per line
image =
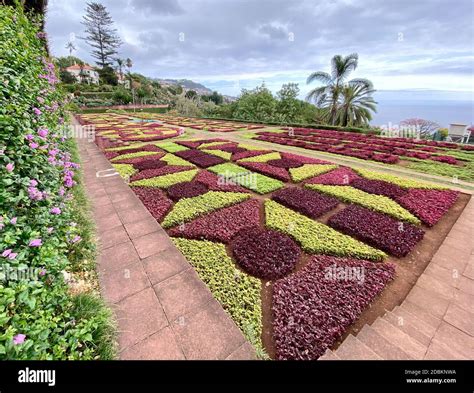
<point x="224" y="42"/>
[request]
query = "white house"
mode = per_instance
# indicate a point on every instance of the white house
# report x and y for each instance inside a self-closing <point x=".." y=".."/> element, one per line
<point x="84" y="73"/>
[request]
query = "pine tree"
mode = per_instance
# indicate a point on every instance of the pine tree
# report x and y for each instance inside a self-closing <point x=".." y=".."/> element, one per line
<point x="101" y="36"/>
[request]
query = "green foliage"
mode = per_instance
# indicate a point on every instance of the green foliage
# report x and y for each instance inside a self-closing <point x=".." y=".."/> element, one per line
<point x="125" y="170"/>
<point x="257" y="104"/>
<point x="67" y="77"/>
<point x="237" y="292"/>
<point x="465" y="172"/>
<point x="38" y="306"/>
<point x="122" y="96"/>
<point x="171" y="147"/>
<point x="309" y="170"/>
<point x="189" y="208"/>
<point x="166" y="181"/>
<point x="171" y="159"/>
<point x="314" y="237"/>
<point x="133" y="155"/>
<point x="253" y="181"/>
<point x="399" y="181"/>
<point x="262" y="158"/>
<point x="219" y="153"/>
<point x="374" y="202"/>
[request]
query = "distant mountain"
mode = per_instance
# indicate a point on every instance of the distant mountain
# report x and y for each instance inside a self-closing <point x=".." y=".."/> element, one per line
<point x="186" y="84"/>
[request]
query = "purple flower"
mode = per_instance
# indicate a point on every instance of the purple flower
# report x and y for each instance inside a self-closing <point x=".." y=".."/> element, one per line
<point x="34" y="145"/>
<point x="29" y="137"/>
<point x="19" y="339"/>
<point x="40" y="100"/>
<point x="33" y="183"/>
<point x="76" y="239"/>
<point x="6" y="253"/>
<point x="35" y="243"/>
<point x="10" y="167"/>
<point x="13" y="220"/>
<point x="55" y="210"/>
<point x="12" y="255"/>
<point x="43" y="132"/>
<point x="36" y="111"/>
<point x="62" y="191"/>
<point x="42" y="272"/>
<point x="41" y="35"/>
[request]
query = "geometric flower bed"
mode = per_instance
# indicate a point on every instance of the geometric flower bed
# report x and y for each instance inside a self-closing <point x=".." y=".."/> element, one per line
<point x="313" y="307"/>
<point x="244" y="216"/>
<point x="378" y="230"/>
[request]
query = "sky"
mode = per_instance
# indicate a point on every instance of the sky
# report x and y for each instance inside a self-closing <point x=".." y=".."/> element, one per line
<point x="410" y="45"/>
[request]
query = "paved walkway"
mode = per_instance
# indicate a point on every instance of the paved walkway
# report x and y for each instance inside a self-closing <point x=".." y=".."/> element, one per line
<point x="163" y="309"/>
<point x="436" y="320"/>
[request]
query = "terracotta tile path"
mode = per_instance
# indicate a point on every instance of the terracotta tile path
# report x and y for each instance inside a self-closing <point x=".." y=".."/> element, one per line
<point x="163" y="309"/>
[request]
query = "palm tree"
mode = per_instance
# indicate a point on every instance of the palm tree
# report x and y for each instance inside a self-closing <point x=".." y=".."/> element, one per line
<point x="356" y="103"/>
<point x="120" y="64"/>
<point x="333" y="83"/>
<point x="70" y="46"/>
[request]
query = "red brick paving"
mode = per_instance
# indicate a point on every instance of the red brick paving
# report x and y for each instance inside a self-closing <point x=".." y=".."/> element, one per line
<point x="163" y="310"/>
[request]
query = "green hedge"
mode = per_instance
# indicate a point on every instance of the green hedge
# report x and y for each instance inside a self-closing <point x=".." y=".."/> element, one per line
<point x="40" y="241"/>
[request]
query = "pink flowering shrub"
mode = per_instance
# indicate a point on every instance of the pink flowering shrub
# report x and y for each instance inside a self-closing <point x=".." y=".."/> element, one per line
<point x="265" y="253"/>
<point x="313" y="307"/>
<point x="428" y="205"/>
<point x="377" y="230"/>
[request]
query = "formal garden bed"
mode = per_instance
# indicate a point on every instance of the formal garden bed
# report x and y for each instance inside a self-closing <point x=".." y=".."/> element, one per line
<point x="276" y="236"/>
<point x="438" y="158"/>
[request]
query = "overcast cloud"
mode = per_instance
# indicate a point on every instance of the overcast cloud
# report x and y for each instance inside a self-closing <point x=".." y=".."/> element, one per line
<point x="231" y="44"/>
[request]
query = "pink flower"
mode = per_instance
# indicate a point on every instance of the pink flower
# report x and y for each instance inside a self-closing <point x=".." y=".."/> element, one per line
<point x="42" y="132"/>
<point x="36" y="111"/>
<point x="76" y="239"/>
<point x="12" y="255"/>
<point x="35" y="243"/>
<point x="29" y="137"/>
<point x="6" y="253"/>
<point x="13" y="220"/>
<point x="42" y="272"/>
<point x="34" y="145"/>
<point x="40" y="100"/>
<point x="10" y="167"/>
<point x="19" y="339"/>
<point x="33" y="183"/>
<point x="55" y="210"/>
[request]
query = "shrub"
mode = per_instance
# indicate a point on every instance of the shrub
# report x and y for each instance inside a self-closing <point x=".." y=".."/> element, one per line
<point x="428" y="205"/>
<point x="155" y="201"/>
<point x="40" y="318"/>
<point x="171" y="147"/>
<point x="223" y="224"/>
<point x="313" y="307"/>
<point x="264" y="253"/>
<point x="399" y="181"/>
<point x="171" y="159"/>
<point x="304" y="201"/>
<point x="186" y="190"/>
<point x="166" y="170"/>
<point x="341" y="176"/>
<point x="189" y="208"/>
<point x="125" y="170"/>
<point x="314" y="237"/>
<point x="238" y="293"/>
<point x="253" y="181"/>
<point x="379" y="187"/>
<point x="378" y="203"/>
<point x="262" y="157"/>
<point x="133" y="155"/>
<point x="378" y="230"/>
<point x="309" y="170"/>
<point x="166" y="181"/>
<point x="286" y="163"/>
<point x="149" y="164"/>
